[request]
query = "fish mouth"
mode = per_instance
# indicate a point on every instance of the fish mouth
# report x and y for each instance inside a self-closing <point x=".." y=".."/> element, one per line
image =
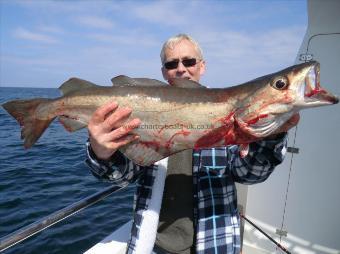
<point x="312" y="92"/>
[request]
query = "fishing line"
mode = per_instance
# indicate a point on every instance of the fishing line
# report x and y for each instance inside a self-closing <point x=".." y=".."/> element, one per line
<point x="294" y="141"/>
<point x="278" y="244"/>
<point x="288" y="184"/>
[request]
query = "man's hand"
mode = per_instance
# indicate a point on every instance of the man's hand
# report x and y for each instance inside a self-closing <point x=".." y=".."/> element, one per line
<point x="109" y="129"/>
<point x="292" y="122"/>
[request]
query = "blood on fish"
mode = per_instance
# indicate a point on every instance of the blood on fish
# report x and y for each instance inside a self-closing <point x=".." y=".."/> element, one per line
<point x="161" y="129"/>
<point x="315" y="91"/>
<point x="216" y="135"/>
<point x="182" y="132"/>
<point x="212" y="137"/>
<point x="227" y="119"/>
<point x="170" y="126"/>
<point x="256" y="119"/>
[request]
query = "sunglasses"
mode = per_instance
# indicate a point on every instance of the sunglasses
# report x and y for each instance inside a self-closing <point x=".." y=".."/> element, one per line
<point x="174" y="63"/>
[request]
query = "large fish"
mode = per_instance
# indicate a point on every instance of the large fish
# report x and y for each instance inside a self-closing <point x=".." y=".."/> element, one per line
<point x="183" y="116"/>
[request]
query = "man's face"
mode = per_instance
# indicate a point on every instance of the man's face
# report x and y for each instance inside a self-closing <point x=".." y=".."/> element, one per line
<point x="181" y="51"/>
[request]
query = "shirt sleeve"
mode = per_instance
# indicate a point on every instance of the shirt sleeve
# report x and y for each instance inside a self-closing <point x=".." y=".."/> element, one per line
<point x="118" y="169"/>
<point x="262" y="158"/>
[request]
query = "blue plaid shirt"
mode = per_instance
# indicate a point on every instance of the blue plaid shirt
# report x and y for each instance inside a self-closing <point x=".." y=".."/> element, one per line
<point x="215" y="171"/>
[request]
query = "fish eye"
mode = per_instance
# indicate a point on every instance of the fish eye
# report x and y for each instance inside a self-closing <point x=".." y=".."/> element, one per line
<point x="280" y="83"/>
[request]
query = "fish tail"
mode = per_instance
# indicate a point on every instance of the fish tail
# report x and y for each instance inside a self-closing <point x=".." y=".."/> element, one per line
<point x="25" y="112"/>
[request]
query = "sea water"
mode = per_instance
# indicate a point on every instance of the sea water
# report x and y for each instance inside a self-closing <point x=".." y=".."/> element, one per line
<point x="52" y="175"/>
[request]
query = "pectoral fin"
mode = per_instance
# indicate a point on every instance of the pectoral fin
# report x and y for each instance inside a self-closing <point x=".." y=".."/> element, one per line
<point x="71" y="124"/>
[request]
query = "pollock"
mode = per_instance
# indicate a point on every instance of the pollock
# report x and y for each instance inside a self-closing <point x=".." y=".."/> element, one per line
<point x="183" y="116"/>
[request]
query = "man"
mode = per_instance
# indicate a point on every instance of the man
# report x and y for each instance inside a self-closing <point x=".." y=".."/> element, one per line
<point x="199" y="207"/>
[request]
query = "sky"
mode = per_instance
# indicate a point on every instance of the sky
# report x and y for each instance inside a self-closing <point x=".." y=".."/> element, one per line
<point x="43" y="42"/>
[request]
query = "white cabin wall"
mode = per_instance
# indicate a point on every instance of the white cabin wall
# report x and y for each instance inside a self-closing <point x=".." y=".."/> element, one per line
<point x="313" y="206"/>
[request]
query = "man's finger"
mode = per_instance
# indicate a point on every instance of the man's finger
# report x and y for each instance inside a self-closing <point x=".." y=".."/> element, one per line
<point x="115" y="119"/>
<point x="124" y="140"/>
<point x="294" y="120"/>
<point x="100" y="114"/>
<point x="124" y="130"/>
<point x="133" y="124"/>
<point x="291" y="122"/>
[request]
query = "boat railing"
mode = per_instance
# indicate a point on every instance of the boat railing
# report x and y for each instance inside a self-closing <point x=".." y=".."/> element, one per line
<point x="31" y="229"/>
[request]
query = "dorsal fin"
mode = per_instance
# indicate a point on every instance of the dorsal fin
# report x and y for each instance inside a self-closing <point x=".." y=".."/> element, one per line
<point x="150" y="82"/>
<point x="185" y="83"/>
<point x="127" y="81"/>
<point x="75" y="84"/>
<point x="122" y="80"/>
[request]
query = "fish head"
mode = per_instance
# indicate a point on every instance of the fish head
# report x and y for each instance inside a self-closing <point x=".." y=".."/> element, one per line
<point x="304" y="84"/>
<point x="275" y="98"/>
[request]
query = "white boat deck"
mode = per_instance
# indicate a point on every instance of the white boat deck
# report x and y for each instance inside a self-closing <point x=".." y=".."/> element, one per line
<point x="115" y="243"/>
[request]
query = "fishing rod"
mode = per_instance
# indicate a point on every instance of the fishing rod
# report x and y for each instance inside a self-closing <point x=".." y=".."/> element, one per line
<point x="31" y="229"/>
<point x="265" y="234"/>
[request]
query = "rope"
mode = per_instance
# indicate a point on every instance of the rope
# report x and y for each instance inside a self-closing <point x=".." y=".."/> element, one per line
<point x="313" y="36"/>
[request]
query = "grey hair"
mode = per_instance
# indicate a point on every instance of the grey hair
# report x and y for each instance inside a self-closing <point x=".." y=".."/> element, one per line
<point x="172" y="41"/>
